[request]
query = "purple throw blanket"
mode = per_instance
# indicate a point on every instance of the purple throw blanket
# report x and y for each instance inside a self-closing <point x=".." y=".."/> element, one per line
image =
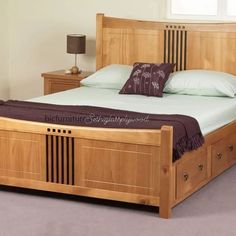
<point x="187" y="133"/>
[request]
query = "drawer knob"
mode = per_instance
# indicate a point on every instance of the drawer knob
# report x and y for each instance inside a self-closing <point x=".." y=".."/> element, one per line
<point x="219" y="156"/>
<point x="186" y="176"/>
<point x="200" y="167"/>
<point x="231" y="148"/>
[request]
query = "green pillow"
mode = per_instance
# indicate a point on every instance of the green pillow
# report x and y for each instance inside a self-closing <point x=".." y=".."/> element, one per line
<point x="202" y="83"/>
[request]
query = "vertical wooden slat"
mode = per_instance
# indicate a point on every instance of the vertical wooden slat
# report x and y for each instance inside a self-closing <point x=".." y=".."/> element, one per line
<point x="79" y="166"/>
<point x="173" y="47"/>
<point x="54" y="159"/>
<point x="47" y="157"/>
<point x="181" y="51"/>
<point x="177" y="50"/>
<point x="49" y="161"/>
<point x="44" y="161"/>
<point x="73" y="162"/>
<point x="65" y="161"/>
<point x="168" y="47"/>
<point x="70" y="161"/>
<point x="60" y="160"/>
<point x="185" y="50"/>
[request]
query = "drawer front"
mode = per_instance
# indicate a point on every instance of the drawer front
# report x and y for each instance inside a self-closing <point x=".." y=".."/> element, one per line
<point x="191" y="172"/>
<point x="59" y="86"/>
<point x="223" y="154"/>
<point x="219" y="157"/>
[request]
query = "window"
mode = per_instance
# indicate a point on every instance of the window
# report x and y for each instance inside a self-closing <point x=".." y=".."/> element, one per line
<point x="231" y="7"/>
<point x="202" y="9"/>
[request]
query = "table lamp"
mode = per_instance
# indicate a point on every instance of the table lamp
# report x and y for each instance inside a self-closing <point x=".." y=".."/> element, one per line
<point x="76" y="44"/>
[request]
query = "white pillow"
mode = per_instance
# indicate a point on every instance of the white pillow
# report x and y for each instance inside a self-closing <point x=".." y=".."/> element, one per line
<point x="110" y="77"/>
<point x="201" y="82"/>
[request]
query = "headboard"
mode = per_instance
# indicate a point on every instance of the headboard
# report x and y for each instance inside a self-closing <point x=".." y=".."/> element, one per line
<point x="189" y="45"/>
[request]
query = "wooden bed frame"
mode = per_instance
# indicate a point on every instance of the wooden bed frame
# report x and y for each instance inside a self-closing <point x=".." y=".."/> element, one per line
<point x="121" y="164"/>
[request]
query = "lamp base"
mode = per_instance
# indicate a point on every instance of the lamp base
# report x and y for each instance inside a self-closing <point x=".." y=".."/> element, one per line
<point x="75" y="70"/>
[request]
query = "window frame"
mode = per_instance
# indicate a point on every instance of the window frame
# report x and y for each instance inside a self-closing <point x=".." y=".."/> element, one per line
<point x="221" y="13"/>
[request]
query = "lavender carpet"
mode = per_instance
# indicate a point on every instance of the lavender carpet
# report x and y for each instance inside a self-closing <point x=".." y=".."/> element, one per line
<point x="209" y="212"/>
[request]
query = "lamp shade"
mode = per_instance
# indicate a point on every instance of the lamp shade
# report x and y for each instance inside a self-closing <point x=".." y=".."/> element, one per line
<point x="76" y="43"/>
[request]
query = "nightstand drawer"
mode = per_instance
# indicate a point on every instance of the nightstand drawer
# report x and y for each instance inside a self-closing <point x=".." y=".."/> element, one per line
<point x="58" y="85"/>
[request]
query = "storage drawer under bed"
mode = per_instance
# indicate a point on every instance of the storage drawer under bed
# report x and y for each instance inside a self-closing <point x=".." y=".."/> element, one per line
<point x="223" y="154"/>
<point x="191" y="172"/>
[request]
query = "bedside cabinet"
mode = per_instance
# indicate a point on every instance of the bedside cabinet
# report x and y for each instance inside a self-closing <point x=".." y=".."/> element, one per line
<point x="58" y="81"/>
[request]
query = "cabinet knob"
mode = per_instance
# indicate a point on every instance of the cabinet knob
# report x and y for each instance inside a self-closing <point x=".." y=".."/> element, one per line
<point x="219" y="156"/>
<point x="231" y="148"/>
<point x="186" y="177"/>
<point x="200" y="167"/>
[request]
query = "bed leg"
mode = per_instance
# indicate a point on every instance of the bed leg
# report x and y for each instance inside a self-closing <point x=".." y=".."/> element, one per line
<point x="166" y="171"/>
<point x="165" y="213"/>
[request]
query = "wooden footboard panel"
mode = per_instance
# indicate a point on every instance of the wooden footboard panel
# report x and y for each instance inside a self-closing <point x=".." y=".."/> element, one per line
<point x="22" y="155"/>
<point x="118" y="167"/>
<point x="115" y="164"/>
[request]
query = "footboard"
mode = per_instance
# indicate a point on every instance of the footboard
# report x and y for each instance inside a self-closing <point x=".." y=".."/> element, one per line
<point x="118" y="164"/>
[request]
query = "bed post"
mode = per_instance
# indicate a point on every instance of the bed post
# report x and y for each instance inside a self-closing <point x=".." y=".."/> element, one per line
<point x="166" y="171"/>
<point x="99" y="36"/>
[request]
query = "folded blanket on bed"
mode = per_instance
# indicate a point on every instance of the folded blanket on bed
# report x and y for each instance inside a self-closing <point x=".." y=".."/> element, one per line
<point x="187" y="133"/>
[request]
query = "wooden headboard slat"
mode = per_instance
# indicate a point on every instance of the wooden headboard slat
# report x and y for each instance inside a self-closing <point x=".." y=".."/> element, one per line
<point x="189" y="45"/>
<point x="175" y="47"/>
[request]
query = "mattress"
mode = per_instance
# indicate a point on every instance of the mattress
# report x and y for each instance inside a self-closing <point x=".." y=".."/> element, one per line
<point x="210" y="112"/>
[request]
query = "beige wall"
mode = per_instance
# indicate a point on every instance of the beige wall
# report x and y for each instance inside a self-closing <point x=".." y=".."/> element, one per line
<point x="38" y="32"/>
<point x="4" y="53"/>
